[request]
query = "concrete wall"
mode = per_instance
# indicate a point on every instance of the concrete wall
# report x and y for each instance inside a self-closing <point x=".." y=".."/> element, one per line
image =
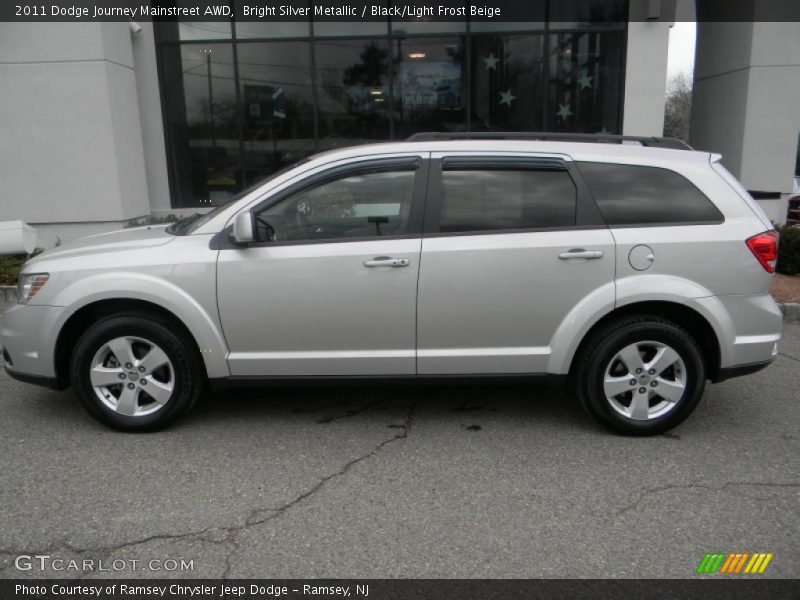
<point x="77" y="154"/>
<point x="745" y="103"/>
<point x="646" y="70"/>
<point x="149" y="100"/>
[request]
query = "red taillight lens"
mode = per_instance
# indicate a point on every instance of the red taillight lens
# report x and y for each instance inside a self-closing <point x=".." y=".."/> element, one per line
<point x="764" y="247"/>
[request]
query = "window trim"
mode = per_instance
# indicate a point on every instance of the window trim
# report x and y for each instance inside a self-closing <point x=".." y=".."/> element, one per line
<point x="587" y="215"/>
<point x="406" y="163"/>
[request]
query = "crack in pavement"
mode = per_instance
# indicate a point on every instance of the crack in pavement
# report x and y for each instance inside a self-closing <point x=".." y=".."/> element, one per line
<point x="228" y="536"/>
<point x="789" y="356"/>
<point x="687" y="486"/>
<point x="253" y="519"/>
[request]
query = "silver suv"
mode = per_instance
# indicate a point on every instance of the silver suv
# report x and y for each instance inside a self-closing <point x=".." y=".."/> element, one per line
<point x="631" y="271"/>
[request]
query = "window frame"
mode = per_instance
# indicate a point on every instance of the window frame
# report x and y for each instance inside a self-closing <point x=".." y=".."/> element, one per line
<point x="413" y="163"/>
<point x="587" y="215"/>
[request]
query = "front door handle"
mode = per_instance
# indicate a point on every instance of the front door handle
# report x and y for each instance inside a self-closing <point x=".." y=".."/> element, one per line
<point x="580" y="253"/>
<point x="387" y="261"/>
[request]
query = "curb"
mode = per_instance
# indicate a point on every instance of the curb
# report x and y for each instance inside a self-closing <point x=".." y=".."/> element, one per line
<point x="790" y="310"/>
<point x="8" y="293"/>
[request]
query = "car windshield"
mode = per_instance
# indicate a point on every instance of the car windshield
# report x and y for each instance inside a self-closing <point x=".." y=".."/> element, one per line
<point x="189" y="224"/>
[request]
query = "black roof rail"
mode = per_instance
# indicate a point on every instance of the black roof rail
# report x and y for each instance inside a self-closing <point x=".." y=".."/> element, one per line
<point x="598" y="138"/>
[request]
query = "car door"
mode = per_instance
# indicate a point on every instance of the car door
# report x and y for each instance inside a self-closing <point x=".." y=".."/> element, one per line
<point x="512" y="244"/>
<point x="329" y="287"/>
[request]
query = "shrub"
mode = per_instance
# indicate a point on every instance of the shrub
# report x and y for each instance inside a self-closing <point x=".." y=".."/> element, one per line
<point x="9" y="269"/>
<point x="10" y="266"/>
<point x="150" y="220"/>
<point x="789" y="251"/>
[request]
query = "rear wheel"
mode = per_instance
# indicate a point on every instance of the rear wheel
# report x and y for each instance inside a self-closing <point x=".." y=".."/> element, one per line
<point x="135" y="372"/>
<point x="641" y="375"/>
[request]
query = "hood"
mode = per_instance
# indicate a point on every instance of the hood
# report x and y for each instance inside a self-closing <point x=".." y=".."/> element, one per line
<point x="113" y="241"/>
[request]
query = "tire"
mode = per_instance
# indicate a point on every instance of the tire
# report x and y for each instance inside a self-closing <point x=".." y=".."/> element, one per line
<point x="665" y="392"/>
<point x="136" y="372"/>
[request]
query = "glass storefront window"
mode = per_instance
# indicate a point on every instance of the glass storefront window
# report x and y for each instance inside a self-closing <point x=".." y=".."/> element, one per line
<point x="271" y="30"/>
<point x="428" y="85"/>
<point x="507" y="82"/>
<point x="352" y="91"/>
<point x="206" y="30"/>
<point x="350" y="29"/>
<point x="237" y="111"/>
<point x="278" y="106"/>
<point x="585" y="82"/>
<point x="202" y="120"/>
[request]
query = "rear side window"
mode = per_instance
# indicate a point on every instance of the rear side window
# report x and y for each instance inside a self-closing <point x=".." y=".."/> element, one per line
<point x="636" y="195"/>
<point x="486" y="199"/>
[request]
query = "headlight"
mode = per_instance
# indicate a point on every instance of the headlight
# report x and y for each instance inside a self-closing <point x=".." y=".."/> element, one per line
<point x="29" y="285"/>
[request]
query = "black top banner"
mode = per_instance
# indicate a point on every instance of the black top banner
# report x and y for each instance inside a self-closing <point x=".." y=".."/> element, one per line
<point x="577" y="11"/>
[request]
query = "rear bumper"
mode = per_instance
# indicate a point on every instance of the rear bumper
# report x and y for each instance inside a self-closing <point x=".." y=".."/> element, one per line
<point x="748" y="328"/>
<point x="740" y="370"/>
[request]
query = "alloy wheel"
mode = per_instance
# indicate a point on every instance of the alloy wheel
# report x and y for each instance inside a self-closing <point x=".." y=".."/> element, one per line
<point x="645" y="380"/>
<point x="132" y="376"/>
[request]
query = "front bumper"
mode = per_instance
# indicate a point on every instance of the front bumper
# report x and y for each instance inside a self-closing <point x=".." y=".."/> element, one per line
<point x="28" y="338"/>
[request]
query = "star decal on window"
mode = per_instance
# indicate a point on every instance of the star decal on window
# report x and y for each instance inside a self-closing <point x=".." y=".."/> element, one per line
<point x="491" y="62"/>
<point x="507" y="97"/>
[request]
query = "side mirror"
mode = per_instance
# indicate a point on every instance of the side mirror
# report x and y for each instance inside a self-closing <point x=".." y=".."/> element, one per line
<point x="244" y="231"/>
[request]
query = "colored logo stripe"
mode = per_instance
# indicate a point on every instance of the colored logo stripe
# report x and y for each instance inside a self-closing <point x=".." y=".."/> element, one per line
<point x="735" y="562"/>
<point x="758" y="563"/>
<point x="722" y="562"/>
<point x="711" y="562"/>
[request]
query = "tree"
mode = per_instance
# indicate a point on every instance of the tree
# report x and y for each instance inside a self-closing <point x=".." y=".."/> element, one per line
<point x="678" y="110"/>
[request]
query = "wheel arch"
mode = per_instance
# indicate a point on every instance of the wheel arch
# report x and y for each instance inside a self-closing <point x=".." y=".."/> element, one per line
<point x="82" y="318"/>
<point x="680" y="314"/>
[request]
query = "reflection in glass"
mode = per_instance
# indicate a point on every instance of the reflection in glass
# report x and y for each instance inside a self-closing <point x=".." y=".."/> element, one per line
<point x="202" y="113"/>
<point x="352" y="91"/>
<point x="507" y="82"/>
<point x="428" y="85"/>
<point x="205" y="30"/>
<point x="237" y="113"/>
<point x="355" y="206"/>
<point x="585" y="82"/>
<point x="270" y="30"/>
<point x="278" y="105"/>
<point x="495" y="200"/>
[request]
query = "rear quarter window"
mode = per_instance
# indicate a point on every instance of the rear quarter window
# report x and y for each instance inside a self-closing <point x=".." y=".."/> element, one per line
<point x="638" y="195"/>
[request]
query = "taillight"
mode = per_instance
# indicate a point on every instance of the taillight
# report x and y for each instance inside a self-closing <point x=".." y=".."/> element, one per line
<point x="764" y="247"/>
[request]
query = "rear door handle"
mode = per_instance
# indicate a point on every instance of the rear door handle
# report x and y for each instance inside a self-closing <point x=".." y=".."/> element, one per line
<point x="387" y="261"/>
<point x="580" y="253"/>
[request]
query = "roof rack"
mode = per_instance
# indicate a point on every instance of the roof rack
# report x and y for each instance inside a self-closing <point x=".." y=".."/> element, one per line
<point x="598" y="138"/>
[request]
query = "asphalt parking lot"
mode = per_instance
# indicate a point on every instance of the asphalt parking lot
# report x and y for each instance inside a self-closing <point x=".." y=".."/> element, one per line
<point x="405" y="482"/>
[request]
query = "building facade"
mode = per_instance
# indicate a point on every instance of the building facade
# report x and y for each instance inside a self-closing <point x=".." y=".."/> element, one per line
<point x="103" y="123"/>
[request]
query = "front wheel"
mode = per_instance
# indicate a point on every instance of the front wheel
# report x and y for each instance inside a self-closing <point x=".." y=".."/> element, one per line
<point x="135" y="372"/>
<point x="640" y="375"/>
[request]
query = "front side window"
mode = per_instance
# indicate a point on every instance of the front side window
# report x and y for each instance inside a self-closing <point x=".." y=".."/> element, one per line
<point x="637" y="195"/>
<point x="496" y="199"/>
<point x="364" y="205"/>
